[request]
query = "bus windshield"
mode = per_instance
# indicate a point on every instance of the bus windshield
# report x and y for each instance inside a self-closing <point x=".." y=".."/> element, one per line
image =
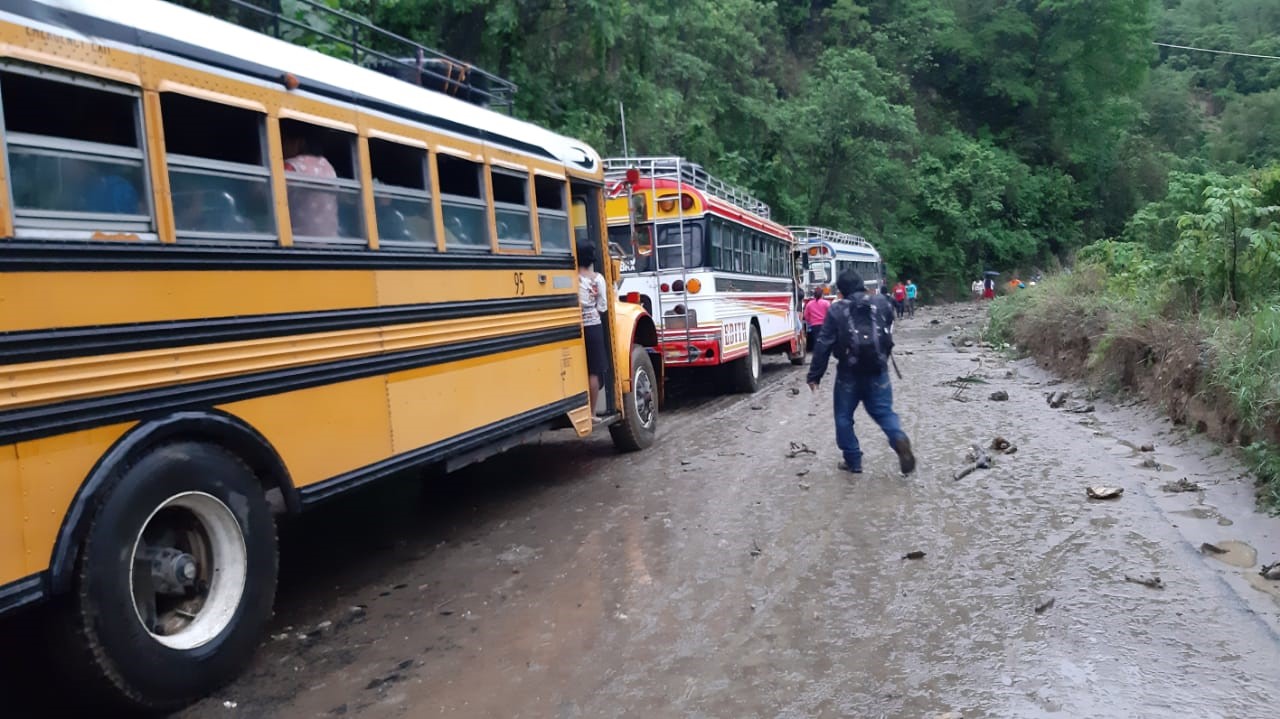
<point x="668" y="247"/>
<point x="820" y="272"/>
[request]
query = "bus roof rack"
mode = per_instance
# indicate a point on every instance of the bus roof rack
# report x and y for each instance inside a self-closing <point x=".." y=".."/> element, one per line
<point x="822" y="233"/>
<point x="359" y="41"/>
<point x="690" y="173"/>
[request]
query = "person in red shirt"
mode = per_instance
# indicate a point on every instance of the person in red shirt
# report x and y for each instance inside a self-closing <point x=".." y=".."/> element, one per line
<point x="815" y="313"/>
<point x="900" y="298"/>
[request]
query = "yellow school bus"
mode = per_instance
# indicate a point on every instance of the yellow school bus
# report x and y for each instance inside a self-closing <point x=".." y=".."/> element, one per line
<point x="239" y="278"/>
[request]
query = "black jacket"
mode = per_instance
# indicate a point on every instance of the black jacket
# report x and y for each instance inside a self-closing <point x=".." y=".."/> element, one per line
<point x="828" y="335"/>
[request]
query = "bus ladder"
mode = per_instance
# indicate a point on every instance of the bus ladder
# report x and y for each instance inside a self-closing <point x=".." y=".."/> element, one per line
<point x="684" y="270"/>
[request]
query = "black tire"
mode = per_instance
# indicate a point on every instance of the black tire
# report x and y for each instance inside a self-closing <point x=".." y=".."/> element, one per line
<point x="639" y="424"/>
<point x="744" y="372"/>
<point x="799" y="358"/>
<point x="193" y="495"/>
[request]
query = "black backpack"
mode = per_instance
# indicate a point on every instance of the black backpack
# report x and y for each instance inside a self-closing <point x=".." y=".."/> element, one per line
<point x="863" y="342"/>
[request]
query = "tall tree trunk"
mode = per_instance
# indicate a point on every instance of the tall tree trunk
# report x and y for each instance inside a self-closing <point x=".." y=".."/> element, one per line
<point x="1235" y="253"/>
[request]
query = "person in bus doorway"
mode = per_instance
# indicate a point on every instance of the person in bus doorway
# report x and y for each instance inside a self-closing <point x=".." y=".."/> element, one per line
<point x="859" y="331"/>
<point x="312" y="213"/>
<point x="593" y="297"/>
<point x="912" y="293"/>
<point x="900" y="298"/>
<point x="815" y="313"/>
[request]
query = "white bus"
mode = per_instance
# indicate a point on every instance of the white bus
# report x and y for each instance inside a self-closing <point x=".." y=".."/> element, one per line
<point x="704" y="258"/>
<point x="829" y="252"/>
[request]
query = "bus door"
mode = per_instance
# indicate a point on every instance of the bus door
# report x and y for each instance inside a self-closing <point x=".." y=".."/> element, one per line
<point x="588" y="229"/>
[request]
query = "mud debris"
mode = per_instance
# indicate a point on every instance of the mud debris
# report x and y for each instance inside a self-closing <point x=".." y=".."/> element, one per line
<point x="798" y="448"/>
<point x="1147" y="448"/>
<point x="916" y="554"/>
<point x="804" y="487"/>
<point x="1045" y="606"/>
<point x="1081" y="408"/>
<point x="978" y="458"/>
<point x="1207" y="548"/>
<point x="1003" y="446"/>
<point x="802" y="472"/>
<point x="1182" y="485"/>
<point x="755" y="549"/>
<point x="999" y="396"/>
<point x="1152" y="582"/>
<point x="1150" y="463"/>
<point x="1057" y="399"/>
<point x="1271" y="571"/>
<point x="757" y="407"/>
<point x="794" y="391"/>
<point x="1100" y="492"/>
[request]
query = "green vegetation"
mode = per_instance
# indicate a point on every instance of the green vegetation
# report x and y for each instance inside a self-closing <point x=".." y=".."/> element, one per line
<point x="959" y="135"/>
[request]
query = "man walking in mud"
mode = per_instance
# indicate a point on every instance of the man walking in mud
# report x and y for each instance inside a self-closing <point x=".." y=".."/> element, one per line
<point x="858" y="330"/>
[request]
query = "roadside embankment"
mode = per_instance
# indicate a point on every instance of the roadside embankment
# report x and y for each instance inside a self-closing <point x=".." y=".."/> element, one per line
<point x="1216" y="373"/>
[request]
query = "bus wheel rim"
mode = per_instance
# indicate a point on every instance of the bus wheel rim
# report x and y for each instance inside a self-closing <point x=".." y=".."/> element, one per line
<point x="755" y="359"/>
<point x="188" y="570"/>
<point x="642" y="390"/>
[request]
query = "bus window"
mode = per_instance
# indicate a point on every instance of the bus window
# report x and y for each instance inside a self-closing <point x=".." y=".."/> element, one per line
<point x="462" y="203"/>
<point x="218" y="176"/>
<point x="670" y="257"/>
<point x="401" y="195"/>
<point x="716" y="230"/>
<point x="511" y="209"/>
<point x="324" y="191"/>
<point x="68" y="172"/>
<point x="553" y="216"/>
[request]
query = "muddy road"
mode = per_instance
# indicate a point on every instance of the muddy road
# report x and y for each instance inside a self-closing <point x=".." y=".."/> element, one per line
<point x="714" y="576"/>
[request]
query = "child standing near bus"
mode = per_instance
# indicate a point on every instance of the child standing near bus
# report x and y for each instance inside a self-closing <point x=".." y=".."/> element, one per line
<point x="593" y="297"/>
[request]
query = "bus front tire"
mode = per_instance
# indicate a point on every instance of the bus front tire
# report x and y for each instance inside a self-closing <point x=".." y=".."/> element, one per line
<point x="182" y="541"/>
<point x="639" y="424"/>
<point x="744" y="372"/>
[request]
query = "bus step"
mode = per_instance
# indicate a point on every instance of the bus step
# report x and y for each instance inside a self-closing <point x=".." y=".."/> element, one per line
<point x="606" y="419"/>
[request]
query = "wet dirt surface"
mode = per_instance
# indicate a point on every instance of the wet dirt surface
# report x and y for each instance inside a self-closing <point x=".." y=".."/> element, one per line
<point x="714" y="576"/>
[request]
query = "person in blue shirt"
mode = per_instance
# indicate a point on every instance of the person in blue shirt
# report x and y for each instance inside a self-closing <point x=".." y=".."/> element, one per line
<point x="111" y="193"/>
<point x="912" y="292"/>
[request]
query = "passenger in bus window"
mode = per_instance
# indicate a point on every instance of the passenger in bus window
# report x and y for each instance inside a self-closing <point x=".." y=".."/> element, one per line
<point x="594" y="300"/>
<point x="312" y="213"/>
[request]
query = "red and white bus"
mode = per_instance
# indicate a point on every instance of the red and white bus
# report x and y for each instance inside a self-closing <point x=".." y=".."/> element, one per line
<point x="706" y="261"/>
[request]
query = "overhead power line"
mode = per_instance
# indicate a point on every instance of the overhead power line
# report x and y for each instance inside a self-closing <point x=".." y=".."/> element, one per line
<point x="1216" y="52"/>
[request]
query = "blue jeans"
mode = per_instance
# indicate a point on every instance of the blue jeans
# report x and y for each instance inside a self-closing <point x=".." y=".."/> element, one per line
<point x="876" y="393"/>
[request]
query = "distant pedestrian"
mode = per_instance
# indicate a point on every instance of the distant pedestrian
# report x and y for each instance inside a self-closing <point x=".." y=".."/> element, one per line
<point x="815" y="313"/>
<point x="859" y="332"/>
<point x="976" y="289"/>
<point x="988" y="289"/>
<point x="912" y="293"/>
<point x="899" y="298"/>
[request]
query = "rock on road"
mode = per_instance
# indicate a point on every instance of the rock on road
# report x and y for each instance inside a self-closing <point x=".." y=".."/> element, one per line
<point x="713" y="576"/>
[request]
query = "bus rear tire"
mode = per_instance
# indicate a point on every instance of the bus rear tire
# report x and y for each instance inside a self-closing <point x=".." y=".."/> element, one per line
<point x="175" y="579"/>
<point x="744" y="372"/>
<point x="639" y="424"/>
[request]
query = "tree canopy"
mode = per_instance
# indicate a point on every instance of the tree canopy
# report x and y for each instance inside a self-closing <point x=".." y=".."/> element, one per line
<point x="958" y="135"/>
